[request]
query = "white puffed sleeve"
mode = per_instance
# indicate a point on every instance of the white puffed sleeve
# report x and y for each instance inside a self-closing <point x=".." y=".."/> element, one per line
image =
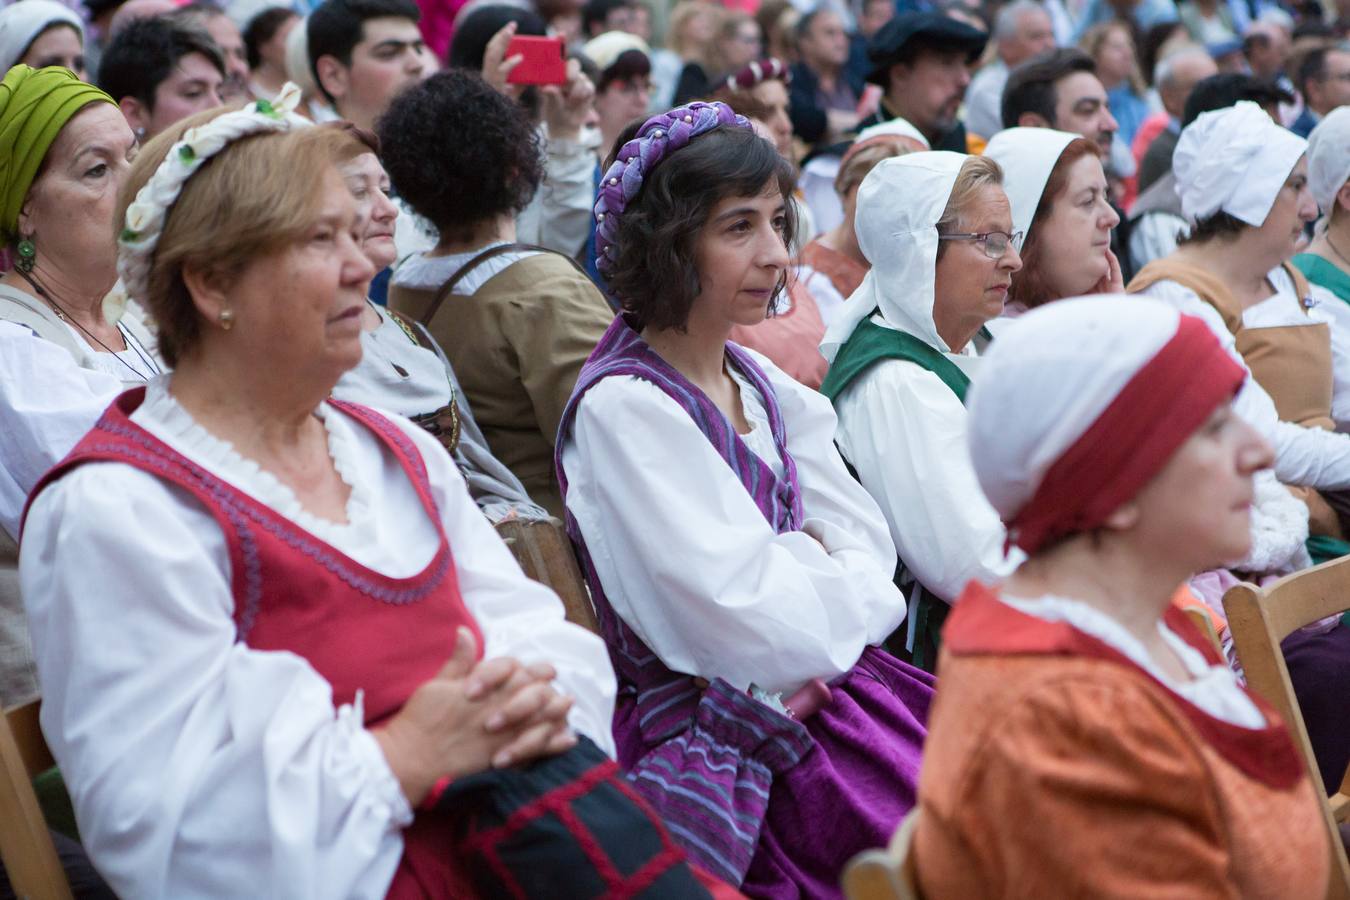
<point x="1312" y="457"/>
<point x="904" y="432"/>
<point x="689" y="562"/>
<point x="1333" y="309"/>
<point x="198" y="767"/>
<point x="559" y="215"/>
<point x="519" y="618"/>
<point x="47" y="403"/>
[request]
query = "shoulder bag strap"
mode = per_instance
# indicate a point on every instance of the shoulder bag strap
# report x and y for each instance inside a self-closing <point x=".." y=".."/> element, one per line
<point x="462" y="272"/>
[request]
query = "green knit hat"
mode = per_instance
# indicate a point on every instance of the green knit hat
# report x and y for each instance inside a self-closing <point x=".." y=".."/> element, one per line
<point x="35" y="104"/>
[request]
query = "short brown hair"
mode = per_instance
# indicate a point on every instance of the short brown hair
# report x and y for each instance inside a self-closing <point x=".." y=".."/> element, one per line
<point x="256" y="197"/>
<point x="977" y="173"/>
<point x="655" y="276"/>
<point x="1028" y="285"/>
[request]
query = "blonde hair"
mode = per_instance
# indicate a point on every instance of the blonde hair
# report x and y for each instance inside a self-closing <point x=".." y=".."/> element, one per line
<point x="977" y="173"/>
<point x="1091" y="43"/>
<point x="684" y="12"/>
<point x="855" y="168"/>
<point x="254" y="198"/>
<point x="730" y="23"/>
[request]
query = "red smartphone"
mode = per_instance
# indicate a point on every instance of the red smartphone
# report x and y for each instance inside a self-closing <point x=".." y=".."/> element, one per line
<point x="543" y="61"/>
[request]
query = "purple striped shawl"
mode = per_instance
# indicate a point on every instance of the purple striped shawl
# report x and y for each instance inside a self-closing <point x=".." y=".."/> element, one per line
<point x="703" y="757"/>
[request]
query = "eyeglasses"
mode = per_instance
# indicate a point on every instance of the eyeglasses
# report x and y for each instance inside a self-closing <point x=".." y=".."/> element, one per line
<point x="995" y="244"/>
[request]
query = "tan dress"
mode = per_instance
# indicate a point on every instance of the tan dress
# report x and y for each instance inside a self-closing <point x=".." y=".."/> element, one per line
<point x="1056" y="767"/>
<point x="517" y="341"/>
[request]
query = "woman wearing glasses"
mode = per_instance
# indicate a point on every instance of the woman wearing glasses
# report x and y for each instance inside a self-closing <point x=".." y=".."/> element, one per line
<point x="938" y="230"/>
<point x="1060" y="201"/>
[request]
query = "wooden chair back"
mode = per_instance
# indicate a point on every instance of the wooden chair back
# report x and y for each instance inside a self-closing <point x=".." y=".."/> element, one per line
<point x="885" y="874"/>
<point x="25" y="844"/>
<point x="1259" y="620"/>
<point x="545" y="553"/>
<point x="1200" y="619"/>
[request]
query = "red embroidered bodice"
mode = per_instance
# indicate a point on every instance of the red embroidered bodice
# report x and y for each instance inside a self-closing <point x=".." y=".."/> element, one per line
<point x="359" y="629"/>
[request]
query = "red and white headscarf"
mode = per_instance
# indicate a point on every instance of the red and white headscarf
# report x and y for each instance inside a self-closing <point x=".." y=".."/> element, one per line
<point x="1080" y="403"/>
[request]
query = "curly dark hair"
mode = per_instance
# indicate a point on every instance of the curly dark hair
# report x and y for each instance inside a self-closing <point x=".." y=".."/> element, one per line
<point x="459" y="152"/>
<point x="655" y="277"/>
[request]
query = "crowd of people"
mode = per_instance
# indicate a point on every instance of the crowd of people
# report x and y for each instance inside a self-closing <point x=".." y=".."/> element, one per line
<point x="900" y="377"/>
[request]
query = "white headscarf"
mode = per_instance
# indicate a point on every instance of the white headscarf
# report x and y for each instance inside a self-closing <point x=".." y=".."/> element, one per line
<point x="899" y="204"/>
<point x="1329" y="158"/>
<point x="1048" y="377"/>
<point x="21" y="23"/>
<point x="604" y="50"/>
<point x="897" y="127"/>
<point x="1234" y="160"/>
<point x="1027" y="157"/>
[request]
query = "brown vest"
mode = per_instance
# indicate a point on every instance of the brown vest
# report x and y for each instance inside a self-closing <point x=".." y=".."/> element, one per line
<point x="1292" y="363"/>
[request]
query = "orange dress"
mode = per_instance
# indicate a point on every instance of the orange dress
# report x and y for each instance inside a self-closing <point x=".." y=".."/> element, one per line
<point x="791" y="339"/>
<point x="844" y="272"/>
<point x="1056" y="767"/>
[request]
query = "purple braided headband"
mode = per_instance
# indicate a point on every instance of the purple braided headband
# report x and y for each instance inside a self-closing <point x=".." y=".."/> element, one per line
<point x="658" y="137"/>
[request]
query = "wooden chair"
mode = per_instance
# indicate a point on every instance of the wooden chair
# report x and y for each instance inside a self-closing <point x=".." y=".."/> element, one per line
<point x="25" y="844"/>
<point x="1259" y="620"/>
<point x="885" y="874"/>
<point x="545" y="553"/>
<point x="1200" y="619"/>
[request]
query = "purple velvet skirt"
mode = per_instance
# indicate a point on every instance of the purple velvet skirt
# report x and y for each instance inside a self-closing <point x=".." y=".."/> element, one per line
<point x="816" y="796"/>
<point x="1319" y="669"/>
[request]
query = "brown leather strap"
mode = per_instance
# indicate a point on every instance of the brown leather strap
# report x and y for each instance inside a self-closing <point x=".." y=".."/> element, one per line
<point x="1207" y="286"/>
<point x="459" y="275"/>
<point x="1301" y="287"/>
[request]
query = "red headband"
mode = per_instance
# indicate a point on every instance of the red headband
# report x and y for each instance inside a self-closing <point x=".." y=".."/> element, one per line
<point x="1132" y="440"/>
<point x="758" y="72"/>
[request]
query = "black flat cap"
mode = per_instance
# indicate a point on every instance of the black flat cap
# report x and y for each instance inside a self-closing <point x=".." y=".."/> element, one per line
<point x="900" y="39"/>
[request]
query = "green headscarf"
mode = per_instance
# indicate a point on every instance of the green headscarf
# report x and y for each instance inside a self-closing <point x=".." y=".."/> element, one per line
<point x="35" y="104"/>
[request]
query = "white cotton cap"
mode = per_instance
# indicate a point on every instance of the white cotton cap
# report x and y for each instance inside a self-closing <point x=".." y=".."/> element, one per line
<point x="896" y="127"/>
<point x="21" y="23"/>
<point x="899" y="204"/>
<point x="1329" y="158"/>
<point x="1047" y="379"/>
<point x="604" y="50"/>
<point x="1027" y="157"/>
<point x="1234" y="160"/>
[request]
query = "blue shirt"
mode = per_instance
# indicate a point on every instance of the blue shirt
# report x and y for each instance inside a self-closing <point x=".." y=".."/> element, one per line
<point x="1147" y="14"/>
<point x="1129" y="110"/>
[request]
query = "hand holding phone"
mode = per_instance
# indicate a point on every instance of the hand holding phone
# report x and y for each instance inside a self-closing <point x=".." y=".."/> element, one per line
<point x="542" y="60"/>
